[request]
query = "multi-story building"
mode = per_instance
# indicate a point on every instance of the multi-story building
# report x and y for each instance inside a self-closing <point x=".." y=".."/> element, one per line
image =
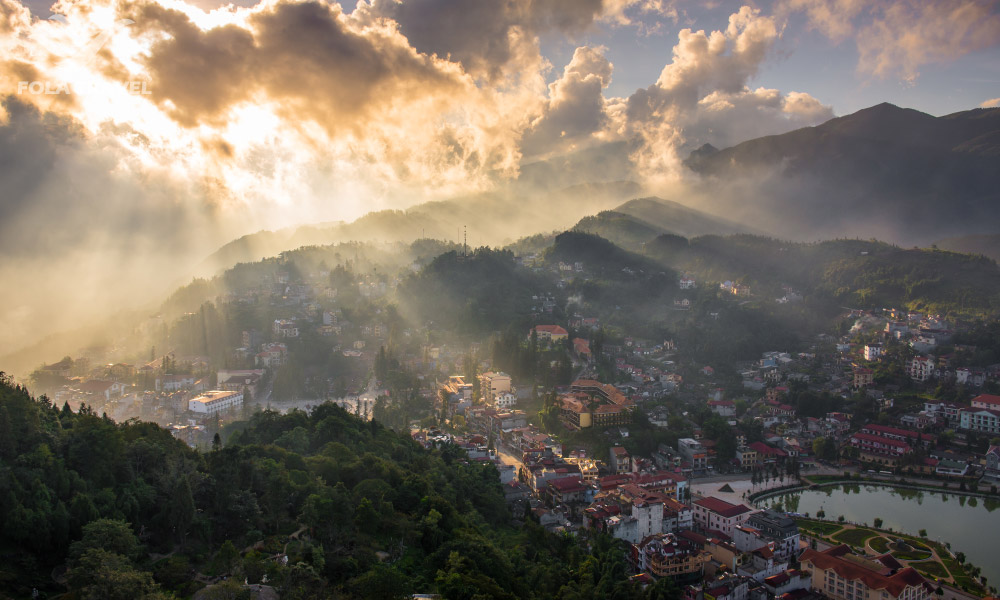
<point x="216" y="401"/>
<point x="982" y="420"/>
<point x="693" y="452"/>
<point x="987" y="401"/>
<point x="873" y="351"/>
<point x="921" y="368"/>
<point x="842" y="575"/>
<point x="550" y="333"/>
<point x="666" y="555"/>
<point x="715" y="514"/>
<point x="878" y="449"/>
<point x="621" y="461"/>
<point x="491" y="384"/>
<point x="772" y="529"/>
<point x="676" y="516"/>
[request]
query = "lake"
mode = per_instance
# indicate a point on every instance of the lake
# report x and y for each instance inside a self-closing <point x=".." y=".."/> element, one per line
<point x="969" y="523"/>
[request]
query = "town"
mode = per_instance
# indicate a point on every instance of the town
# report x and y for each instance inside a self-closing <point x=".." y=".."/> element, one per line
<point x="593" y="426"/>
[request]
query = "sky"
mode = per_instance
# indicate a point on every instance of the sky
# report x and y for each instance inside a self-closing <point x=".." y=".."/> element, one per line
<point x="136" y="136"/>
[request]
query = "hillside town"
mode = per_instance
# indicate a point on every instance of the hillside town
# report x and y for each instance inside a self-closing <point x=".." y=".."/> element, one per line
<point x="622" y="434"/>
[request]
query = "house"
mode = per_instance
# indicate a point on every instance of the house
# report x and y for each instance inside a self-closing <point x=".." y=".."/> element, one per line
<point x="285" y="328"/>
<point x="863" y="377"/>
<point x="842" y="575"/>
<point x="770" y="529"/>
<point x="621" y="462"/>
<point x="723" y="408"/>
<point x="687" y="283"/>
<point x="172" y="383"/>
<point x="549" y="333"/>
<point x="668" y="555"/>
<point x="762" y="563"/>
<point x="873" y="352"/>
<point x="567" y="490"/>
<point x="993" y="462"/>
<point x="987" y="401"/>
<point x="581" y="348"/>
<point x="949" y="467"/>
<point x="102" y="390"/>
<point x="715" y="514"/>
<point x="921" y="368"/>
<point x="676" y="516"/>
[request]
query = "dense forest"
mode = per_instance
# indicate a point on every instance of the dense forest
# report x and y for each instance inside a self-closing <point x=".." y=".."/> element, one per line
<point x="319" y="505"/>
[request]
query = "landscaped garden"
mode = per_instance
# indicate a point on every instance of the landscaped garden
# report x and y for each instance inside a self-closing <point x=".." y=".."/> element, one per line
<point x="906" y="548"/>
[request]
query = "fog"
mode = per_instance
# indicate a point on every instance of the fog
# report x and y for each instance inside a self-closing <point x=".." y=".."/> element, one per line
<point x="173" y="130"/>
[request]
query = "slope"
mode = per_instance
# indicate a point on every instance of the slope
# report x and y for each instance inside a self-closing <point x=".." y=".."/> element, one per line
<point x="884" y="171"/>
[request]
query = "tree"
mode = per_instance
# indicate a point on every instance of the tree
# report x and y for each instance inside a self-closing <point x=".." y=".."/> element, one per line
<point x="112" y="536"/>
<point x="877" y="523"/>
<point x="182" y="509"/>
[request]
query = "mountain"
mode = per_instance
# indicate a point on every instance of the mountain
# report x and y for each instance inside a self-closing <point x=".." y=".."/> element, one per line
<point x="887" y="172"/>
<point x="987" y="245"/>
<point x="487" y="219"/>
<point x="837" y="273"/>
<point x="639" y="221"/>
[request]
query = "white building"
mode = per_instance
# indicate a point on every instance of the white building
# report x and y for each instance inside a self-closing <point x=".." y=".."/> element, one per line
<point x="715" y="514"/>
<point x="873" y="351"/>
<point x="215" y="401"/>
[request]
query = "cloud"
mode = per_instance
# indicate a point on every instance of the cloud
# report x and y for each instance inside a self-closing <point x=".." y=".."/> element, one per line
<point x="897" y="38"/>
<point x="994" y="103"/>
<point x="576" y="106"/>
<point x="702" y="96"/>
<point x="909" y="35"/>
<point x="294" y="111"/>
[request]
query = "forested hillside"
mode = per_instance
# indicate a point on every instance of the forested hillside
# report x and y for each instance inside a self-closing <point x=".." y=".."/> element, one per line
<point x="107" y="510"/>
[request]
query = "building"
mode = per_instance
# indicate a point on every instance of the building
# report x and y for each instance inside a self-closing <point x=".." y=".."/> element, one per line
<point x="921" y="368"/>
<point x="677" y="516"/>
<point x="863" y="377"/>
<point x="723" y="408"/>
<point x="491" y="384"/>
<point x="747" y="457"/>
<point x="993" y="462"/>
<point x="693" y="452"/>
<point x="771" y="529"/>
<point x="667" y="555"/>
<point x="621" y="462"/>
<point x="842" y="575"/>
<point x="715" y="514"/>
<point x="549" y="333"/>
<point x="914" y="438"/>
<point x="505" y="401"/>
<point x="982" y="420"/>
<point x="873" y="352"/>
<point x="216" y="401"/>
<point x="878" y="449"/>
<point x="285" y="328"/>
<point x="986" y="401"/>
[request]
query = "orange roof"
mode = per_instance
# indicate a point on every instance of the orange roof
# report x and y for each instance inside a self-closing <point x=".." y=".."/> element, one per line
<point x="551" y="329"/>
<point x="855" y="569"/>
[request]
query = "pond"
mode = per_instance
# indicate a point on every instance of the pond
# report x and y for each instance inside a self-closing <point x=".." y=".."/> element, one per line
<point x="969" y="523"/>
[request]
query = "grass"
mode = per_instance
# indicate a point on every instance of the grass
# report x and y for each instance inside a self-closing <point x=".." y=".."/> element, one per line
<point x="880" y="544"/>
<point x="931" y="568"/>
<point x="855" y="537"/>
<point x="819" y="527"/>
